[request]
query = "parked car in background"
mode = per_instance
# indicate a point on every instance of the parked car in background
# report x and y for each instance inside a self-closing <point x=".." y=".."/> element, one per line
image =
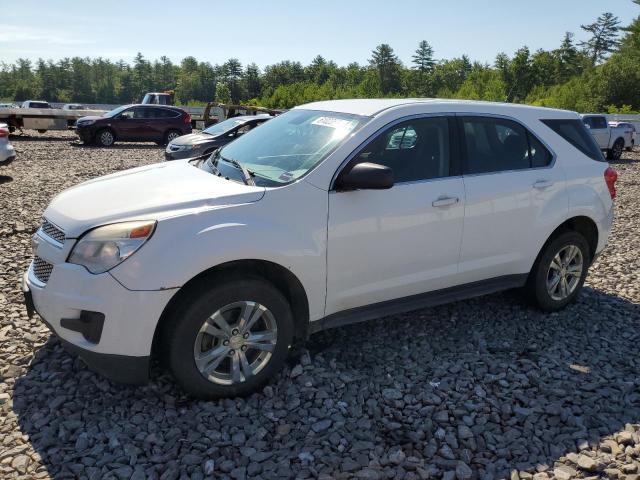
<point x="215" y="136"/>
<point x="7" y="152"/>
<point x="35" y="104"/>
<point x="74" y="106"/>
<point x="135" y="123"/>
<point x="611" y="140"/>
<point x="158" y="98"/>
<point x="630" y="139"/>
<point x="332" y="213"/>
<point x="8" y="105"/>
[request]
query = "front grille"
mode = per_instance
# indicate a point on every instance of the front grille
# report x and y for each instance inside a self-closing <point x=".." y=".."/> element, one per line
<point x="42" y="269"/>
<point x="52" y="231"/>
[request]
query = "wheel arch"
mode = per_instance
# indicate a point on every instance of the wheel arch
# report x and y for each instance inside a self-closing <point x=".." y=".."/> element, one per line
<point x="101" y="129"/>
<point x="280" y="277"/>
<point x="583" y="225"/>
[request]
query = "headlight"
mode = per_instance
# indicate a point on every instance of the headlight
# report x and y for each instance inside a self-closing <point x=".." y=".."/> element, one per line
<point x="84" y="123"/>
<point x="105" y="247"/>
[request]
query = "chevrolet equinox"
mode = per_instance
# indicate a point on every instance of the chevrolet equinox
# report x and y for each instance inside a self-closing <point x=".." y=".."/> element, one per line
<point x="333" y="213"/>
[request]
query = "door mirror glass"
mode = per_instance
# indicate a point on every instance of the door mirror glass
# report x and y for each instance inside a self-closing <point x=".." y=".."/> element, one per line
<point x="366" y="176"/>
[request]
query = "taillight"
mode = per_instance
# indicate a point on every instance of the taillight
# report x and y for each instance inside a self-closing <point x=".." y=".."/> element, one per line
<point x="187" y="119"/>
<point x="610" y="177"/>
<point x="4" y="132"/>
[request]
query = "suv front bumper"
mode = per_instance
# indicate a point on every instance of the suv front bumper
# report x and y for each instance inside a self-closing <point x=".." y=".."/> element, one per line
<point x="120" y="349"/>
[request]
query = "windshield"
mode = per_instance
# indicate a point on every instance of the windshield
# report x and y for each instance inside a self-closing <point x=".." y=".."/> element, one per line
<point x="288" y="146"/>
<point x="115" y="111"/>
<point x="222" y="127"/>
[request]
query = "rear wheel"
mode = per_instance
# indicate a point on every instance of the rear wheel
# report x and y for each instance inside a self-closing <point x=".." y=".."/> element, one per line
<point x="105" y="138"/>
<point x="615" y="152"/>
<point x="229" y="340"/>
<point x="42" y="130"/>
<point x="171" y="135"/>
<point x="559" y="272"/>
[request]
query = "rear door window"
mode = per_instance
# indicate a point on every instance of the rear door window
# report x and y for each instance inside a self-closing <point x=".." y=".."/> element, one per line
<point x="595" y="122"/>
<point x="574" y="132"/>
<point x="498" y="145"/>
<point x="494" y="145"/>
<point x="165" y="113"/>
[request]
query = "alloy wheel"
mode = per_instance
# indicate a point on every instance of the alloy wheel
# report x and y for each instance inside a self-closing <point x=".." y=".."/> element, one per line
<point x="235" y="343"/>
<point x="565" y="272"/>
<point x="106" y="138"/>
<point x="172" y="136"/>
<point x="617" y="149"/>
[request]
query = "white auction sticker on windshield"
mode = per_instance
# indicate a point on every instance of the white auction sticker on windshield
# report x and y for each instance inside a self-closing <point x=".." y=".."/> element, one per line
<point x="332" y="122"/>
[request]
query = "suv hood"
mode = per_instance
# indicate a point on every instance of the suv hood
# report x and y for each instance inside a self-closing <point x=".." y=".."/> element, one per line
<point x="89" y="117"/>
<point x="193" y="138"/>
<point x="151" y="192"/>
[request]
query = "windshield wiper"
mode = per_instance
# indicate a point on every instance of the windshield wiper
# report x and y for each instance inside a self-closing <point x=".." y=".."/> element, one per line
<point x="246" y="174"/>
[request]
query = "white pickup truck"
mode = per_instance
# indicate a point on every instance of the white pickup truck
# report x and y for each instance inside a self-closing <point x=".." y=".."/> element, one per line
<point x="611" y="140"/>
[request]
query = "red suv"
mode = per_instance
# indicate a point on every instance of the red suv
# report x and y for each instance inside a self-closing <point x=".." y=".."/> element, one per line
<point x="135" y="123"/>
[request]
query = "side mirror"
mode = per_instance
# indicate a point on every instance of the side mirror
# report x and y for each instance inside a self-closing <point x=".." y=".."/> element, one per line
<point x="365" y="176"/>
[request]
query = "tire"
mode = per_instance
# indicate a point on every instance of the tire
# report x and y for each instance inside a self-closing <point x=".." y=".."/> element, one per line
<point x="539" y="288"/>
<point x="615" y="152"/>
<point x="171" y="135"/>
<point x="218" y="310"/>
<point x="105" y="138"/>
<point x="42" y="130"/>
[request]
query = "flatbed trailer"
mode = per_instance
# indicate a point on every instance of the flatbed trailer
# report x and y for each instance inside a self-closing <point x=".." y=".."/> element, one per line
<point x="43" y="119"/>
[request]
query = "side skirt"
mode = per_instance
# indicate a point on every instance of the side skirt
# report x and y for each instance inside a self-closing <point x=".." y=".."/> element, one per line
<point x="416" y="302"/>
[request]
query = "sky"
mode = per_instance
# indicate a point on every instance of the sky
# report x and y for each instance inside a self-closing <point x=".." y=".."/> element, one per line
<point x="266" y="32"/>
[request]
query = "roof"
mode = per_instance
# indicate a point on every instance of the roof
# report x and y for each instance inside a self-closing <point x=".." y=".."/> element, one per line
<point x="372" y="106"/>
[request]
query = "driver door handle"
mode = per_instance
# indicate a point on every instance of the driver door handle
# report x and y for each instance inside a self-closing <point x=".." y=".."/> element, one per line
<point x="542" y="184"/>
<point x="445" y="201"/>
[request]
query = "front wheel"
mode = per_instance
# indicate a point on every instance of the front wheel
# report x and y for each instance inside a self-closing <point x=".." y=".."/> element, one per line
<point x="229" y="340"/>
<point x="105" y="138"/>
<point x="559" y="272"/>
<point x="615" y="152"/>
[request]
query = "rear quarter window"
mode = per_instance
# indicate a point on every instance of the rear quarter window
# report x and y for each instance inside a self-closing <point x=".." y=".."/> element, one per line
<point x="574" y="132"/>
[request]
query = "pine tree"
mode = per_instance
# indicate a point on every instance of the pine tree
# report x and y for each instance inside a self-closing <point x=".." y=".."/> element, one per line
<point x="604" y="37"/>
<point x="385" y="61"/>
<point x="423" y="58"/>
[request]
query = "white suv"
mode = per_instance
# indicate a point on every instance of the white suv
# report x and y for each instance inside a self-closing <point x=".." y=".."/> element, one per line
<point x="332" y="213"/>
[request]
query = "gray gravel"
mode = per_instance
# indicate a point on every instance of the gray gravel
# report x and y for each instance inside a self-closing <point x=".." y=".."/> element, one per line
<point x="485" y="388"/>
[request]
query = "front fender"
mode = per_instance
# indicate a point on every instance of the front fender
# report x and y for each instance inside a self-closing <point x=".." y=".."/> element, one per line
<point x="277" y="229"/>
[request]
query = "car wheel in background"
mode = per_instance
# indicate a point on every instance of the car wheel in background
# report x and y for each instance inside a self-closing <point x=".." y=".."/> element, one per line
<point x="615" y="152"/>
<point x="105" y="138"/>
<point x="42" y="130"/>
<point x="559" y="272"/>
<point x="171" y="135"/>
<point x="228" y="340"/>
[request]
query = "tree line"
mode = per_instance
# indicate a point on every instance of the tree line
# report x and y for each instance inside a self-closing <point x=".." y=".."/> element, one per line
<point x="601" y="73"/>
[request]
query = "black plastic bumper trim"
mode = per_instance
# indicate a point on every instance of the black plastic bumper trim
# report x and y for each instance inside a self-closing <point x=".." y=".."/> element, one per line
<point x="89" y="325"/>
<point x="119" y="368"/>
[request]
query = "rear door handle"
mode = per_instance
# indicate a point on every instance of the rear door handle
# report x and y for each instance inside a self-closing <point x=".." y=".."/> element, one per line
<point x="445" y="201"/>
<point x="542" y="184"/>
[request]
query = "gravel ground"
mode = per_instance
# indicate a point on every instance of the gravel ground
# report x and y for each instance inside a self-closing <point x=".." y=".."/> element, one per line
<point x="485" y="388"/>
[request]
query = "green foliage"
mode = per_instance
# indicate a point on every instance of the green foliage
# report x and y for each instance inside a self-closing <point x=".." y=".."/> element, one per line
<point x="624" y="109"/>
<point x="603" y="74"/>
